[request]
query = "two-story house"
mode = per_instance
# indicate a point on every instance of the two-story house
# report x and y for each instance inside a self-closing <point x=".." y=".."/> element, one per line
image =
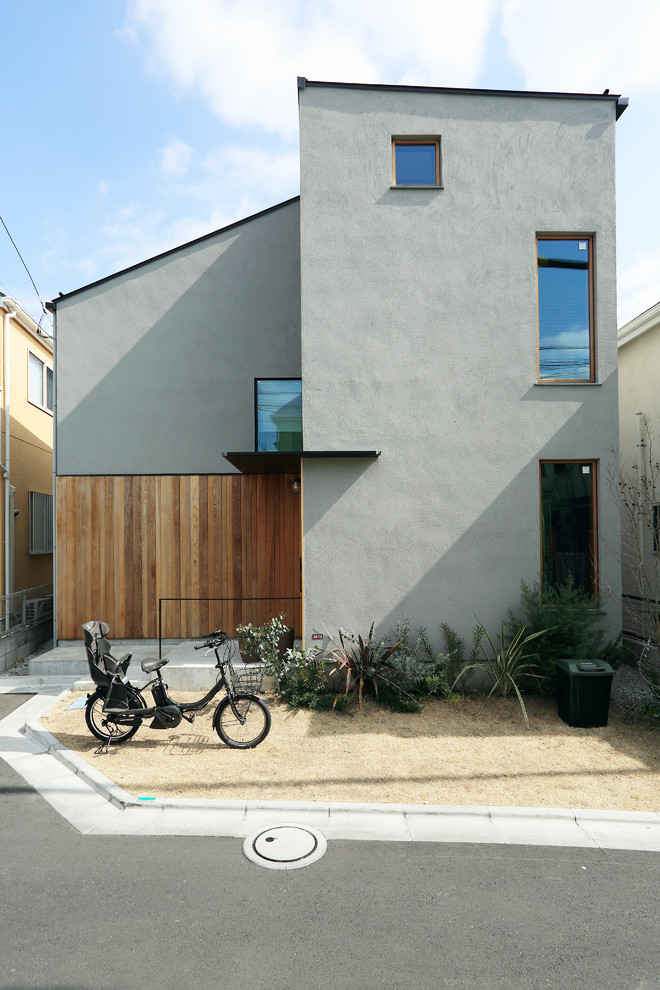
<point x="26" y="462"/>
<point x="639" y="478"/>
<point x="440" y="306"/>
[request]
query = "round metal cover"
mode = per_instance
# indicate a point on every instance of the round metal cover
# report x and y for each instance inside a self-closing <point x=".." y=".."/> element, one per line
<point x="285" y="847"/>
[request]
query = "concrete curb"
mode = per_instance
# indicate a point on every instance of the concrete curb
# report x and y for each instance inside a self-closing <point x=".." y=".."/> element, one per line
<point x="112" y="810"/>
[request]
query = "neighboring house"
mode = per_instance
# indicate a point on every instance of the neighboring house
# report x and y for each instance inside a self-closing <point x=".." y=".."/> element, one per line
<point x="639" y="425"/>
<point x="442" y="296"/>
<point x="26" y="461"/>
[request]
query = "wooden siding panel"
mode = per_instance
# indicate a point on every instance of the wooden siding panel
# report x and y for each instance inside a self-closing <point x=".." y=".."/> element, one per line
<point x="123" y="543"/>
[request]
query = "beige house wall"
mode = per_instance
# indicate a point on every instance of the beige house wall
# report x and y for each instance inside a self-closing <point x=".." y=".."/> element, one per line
<point x="639" y="391"/>
<point x="30" y="446"/>
<point x="639" y="399"/>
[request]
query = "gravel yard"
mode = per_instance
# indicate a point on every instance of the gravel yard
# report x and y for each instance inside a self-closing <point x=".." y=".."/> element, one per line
<point x="464" y="753"/>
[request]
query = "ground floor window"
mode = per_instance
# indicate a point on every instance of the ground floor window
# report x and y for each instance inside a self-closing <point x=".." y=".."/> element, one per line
<point x="40" y="509"/>
<point x="568" y="524"/>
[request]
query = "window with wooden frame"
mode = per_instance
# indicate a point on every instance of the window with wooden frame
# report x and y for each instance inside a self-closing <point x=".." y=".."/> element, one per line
<point x="565" y="308"/>
<point x="416" y="162"/>
<point x="568" y="525"/>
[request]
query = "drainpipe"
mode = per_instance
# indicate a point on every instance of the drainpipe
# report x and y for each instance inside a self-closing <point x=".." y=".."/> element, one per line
<point x="10" y="310"/>
<point x="641" y="468"/>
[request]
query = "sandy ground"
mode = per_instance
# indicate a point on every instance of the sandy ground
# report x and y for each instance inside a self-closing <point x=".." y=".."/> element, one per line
<point x="460" y="753"/>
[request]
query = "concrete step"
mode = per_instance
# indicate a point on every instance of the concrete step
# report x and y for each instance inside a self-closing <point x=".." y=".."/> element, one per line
<point x="185" y="671"/>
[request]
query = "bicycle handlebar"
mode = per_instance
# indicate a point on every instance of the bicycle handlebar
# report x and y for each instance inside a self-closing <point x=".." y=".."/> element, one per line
<point x="213" y="639"/>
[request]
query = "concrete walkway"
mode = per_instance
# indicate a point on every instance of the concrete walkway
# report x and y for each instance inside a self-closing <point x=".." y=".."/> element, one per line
<point x="95" y="805"/>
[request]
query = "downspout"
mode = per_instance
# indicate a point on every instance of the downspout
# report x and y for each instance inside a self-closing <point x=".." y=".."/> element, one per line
<point x="51" y="309"/>
<point x="641" y="468"/>
<point x="10" y="310"/>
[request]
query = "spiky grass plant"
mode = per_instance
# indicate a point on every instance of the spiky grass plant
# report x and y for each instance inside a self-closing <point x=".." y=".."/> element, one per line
<point x="506" y="662"/>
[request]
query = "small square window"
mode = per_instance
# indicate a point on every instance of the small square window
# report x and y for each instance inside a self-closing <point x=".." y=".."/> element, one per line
<point x="416" y="161"/>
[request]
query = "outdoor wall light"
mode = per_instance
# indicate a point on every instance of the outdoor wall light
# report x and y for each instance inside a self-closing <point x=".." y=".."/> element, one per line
<point x="295" y="486"/>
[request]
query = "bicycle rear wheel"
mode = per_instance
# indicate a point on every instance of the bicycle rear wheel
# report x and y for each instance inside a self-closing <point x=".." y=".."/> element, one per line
<point x="102" y="725"/>
<point x="249" y="729"/>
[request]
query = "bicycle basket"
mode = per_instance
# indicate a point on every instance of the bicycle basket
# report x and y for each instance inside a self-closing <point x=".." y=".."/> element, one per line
<point x="247" y="678"/>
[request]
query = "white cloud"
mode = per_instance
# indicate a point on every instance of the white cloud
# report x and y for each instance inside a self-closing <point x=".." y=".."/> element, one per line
<point x="228" y="184"/>
<point x="584" y="46"/>
<point x="243" y="169"/>
<point x="175" y="157"/>
<point x="243" y="56"/>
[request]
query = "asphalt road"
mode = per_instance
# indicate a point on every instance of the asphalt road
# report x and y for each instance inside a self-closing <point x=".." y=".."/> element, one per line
<point x="95" y="913"/>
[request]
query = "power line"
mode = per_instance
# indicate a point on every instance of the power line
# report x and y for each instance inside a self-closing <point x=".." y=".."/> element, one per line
<point x="44" y="310"/>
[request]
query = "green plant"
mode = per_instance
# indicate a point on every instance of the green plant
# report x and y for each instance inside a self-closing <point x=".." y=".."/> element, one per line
<point x="507" y="662"/>
<point x="571" y="623"/>
<point x="367" y="663"/>
<point x="261" y="642"/>
<point x="455" y="659"/>
<point x="300" y="677"/>
<point x="417" y="671"/>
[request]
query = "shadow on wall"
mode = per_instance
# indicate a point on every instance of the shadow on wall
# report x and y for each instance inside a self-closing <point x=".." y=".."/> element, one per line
<point x="372" y="563"/>
<point x="182" y="391"/>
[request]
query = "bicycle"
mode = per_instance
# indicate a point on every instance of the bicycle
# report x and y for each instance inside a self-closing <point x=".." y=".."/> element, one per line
<point x="116" y="709"/>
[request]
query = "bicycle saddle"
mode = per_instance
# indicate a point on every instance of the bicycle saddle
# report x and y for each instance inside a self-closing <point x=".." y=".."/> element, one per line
<point x="149" y="664"/>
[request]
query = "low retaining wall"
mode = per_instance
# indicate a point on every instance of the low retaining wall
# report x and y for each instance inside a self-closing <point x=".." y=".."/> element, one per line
<point x="22" y="641"/>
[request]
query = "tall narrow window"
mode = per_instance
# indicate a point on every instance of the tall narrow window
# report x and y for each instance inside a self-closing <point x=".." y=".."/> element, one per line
<point x="40" y="383"/>
<point x="278" y="414"/>
<point x="568" y="524"/>
<point x="416" y="161"/>
<point x="565" y="299"/>
<point x="40" y="506"/>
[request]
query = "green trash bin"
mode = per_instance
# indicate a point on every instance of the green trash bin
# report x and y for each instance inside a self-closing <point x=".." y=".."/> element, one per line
<point x="583" y="692"/>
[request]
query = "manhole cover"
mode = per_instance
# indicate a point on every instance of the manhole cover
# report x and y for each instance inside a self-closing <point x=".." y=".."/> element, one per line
<point x="285" y="847"/>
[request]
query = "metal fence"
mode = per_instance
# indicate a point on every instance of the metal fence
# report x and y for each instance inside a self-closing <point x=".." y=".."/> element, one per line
<point x="26" y="608"/>
<point x="194" y="618"/>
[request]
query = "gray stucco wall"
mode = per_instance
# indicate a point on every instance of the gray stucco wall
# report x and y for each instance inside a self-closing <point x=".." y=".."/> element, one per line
<point x="156" y="366"/>
<point x="419" y="338"/>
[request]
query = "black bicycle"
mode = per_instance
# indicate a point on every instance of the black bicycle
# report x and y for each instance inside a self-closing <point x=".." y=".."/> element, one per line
<point x="116" y="709"/>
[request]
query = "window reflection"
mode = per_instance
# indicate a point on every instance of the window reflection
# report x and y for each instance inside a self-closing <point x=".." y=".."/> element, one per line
<point x="416" y="163"/>
<point x="279" y="414"/>
<point x="564" y="297"/>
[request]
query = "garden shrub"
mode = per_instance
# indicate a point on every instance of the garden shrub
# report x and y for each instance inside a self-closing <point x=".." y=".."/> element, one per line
<point x="571" y="620"/>
<point x="300" y="678"/>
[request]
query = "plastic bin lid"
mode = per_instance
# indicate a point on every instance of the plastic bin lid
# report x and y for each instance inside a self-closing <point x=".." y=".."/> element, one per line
<point x="585" y="667"/>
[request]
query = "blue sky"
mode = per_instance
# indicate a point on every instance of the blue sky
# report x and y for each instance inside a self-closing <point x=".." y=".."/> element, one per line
<point x="131" y="126"/>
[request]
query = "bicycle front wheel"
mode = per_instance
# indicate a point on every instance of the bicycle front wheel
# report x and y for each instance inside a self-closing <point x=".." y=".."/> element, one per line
<point x="248" y="729"/>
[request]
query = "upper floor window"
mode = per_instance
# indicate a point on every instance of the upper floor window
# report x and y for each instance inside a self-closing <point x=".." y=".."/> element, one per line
<point x="565" y="298"/>
<point x="416" y="161"/>
<point x="40" y="383"/>
<point x="278" y="414"/>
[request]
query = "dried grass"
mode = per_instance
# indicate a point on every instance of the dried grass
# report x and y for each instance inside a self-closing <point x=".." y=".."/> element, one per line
<point x="465" y="753"/>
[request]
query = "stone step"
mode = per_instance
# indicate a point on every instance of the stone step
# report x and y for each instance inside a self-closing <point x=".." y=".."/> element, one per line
<point x="182" y="673"/>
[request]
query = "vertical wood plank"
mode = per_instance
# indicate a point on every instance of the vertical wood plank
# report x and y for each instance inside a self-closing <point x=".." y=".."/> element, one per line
<point x="123" y="543"/>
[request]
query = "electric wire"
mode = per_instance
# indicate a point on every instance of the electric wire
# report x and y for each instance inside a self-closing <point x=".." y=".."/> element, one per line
<point x="41" y="302"/>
